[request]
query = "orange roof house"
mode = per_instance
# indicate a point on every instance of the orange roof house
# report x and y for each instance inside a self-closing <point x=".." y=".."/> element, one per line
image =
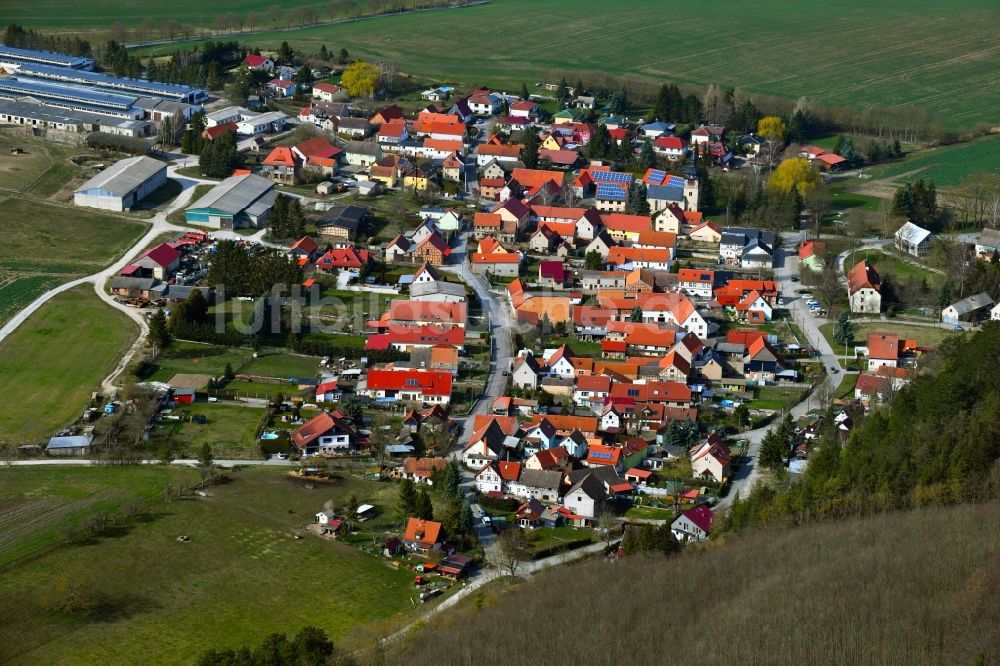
<point x="556" y="308"/>
<point x="422" y="535"/>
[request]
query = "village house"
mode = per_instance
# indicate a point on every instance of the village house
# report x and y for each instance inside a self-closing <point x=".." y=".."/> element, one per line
<point x="694" y="524"/>
<point x="424" y="386"/>
<point x="327" y="433"/>
<point x="864" y="288"/>
<point x="423" y="536"/>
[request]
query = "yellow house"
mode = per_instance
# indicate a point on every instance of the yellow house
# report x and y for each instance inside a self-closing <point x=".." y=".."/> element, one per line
<point x="418" y="178"/>
<point x="387" y="175"/>
<point x="550" y="143"/>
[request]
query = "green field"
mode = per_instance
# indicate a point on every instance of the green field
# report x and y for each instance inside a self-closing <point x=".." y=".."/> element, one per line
<point x="52" y="363"/>
<point x="854" y="53"/>
<point x="37" y="502"/>
<point x="947" y="165"/>
<point x="195" y="358"/>
<point x="241" y="576"/>
<point x="55" y="360"/>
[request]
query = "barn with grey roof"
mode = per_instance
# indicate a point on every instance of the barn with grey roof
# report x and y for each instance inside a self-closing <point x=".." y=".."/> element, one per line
<point x="238" y="201"/>
<point x="123" y="184"/>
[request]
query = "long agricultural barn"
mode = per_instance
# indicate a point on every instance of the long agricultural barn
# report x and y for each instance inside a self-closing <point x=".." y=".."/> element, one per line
<point x="238" y="201"/>
<point x="13" y="58"/>
<point x="123" y="184"/>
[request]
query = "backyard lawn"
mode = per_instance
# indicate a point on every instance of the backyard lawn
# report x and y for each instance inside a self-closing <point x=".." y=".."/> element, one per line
<point x="543" y="538"/>
<point x="241" y="576"/>
<point x="776" y="398"/>
<point x="183" y="357"/>
<point x="228" y="429"/>
<point x="930" y="336"/>
<point x="899" y="270"/>
<point x="55" y="360"/>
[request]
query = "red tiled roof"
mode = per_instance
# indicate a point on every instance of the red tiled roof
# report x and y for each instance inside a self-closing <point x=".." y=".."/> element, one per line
<point x="281" y="156"/>
<point x="317" y="146"/>
<point x="163" y="255"/>
<point x="883" y="346"/>
<point x="425" y="532"/>
<point x="428" y="382"/>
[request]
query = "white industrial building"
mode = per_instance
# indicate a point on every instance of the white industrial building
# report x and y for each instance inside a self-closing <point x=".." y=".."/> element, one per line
<point x="122" y="185"/>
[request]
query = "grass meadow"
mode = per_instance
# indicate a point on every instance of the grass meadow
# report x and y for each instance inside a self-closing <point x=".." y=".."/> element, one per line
<point x="52" y="363"/>
<point x="917" y="587"/>
<point x="854" y="53"/>
<point x="947" y="165"/>
<point x="242" y="576"/>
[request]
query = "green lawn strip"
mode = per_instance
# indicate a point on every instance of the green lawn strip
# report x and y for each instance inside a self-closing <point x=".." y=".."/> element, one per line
<point x="579" y="347"/>
<point x="196" y="358"/>
<point x="241" y="576"/>
<point x="274" y="364"/>
<point x="542" y="539"/>
<point x="846" y="387"/>
<point x="56" y="359"/>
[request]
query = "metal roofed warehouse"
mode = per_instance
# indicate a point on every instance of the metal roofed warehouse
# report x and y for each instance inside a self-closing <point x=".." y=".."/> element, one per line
<point x="10" y="55"/>
<point x="238" y="201"/>
<point x="171" y="91"/>
<point x="123" y="184"/>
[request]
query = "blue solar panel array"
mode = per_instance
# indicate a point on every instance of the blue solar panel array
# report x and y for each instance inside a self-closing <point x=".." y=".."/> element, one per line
<point x="657" y="176"/>
<point x="601" y="455"/>
<point x="611" y="177"/>
<point x="611" y="191"/>
<point x="675" y="181"/>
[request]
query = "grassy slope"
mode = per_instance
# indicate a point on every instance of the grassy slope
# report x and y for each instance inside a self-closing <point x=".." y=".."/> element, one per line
<point x="241" y="577"/>
<point x="903" y="588"/>
<point x="55" y="359"/>
<point x="839" y="54"/>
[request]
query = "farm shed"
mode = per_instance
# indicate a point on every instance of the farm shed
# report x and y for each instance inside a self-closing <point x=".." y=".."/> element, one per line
<point x="238" y="201"/>
<point x="123" y="184"/>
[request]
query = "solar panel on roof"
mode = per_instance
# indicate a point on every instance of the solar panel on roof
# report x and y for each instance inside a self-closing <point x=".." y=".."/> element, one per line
<point x="657" y="176"/>
<point x="610" y="191"/>
<point x="611" y="176"/>
<point x="675" y="181"/>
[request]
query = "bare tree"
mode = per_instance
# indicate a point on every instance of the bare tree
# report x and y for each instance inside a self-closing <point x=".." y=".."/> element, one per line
<point x="509" y="552"/>
<point x="609" y="526"/>
<point x="829" y="288"/>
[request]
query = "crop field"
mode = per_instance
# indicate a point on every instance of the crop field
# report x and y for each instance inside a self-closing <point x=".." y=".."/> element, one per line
<point x="52" y="363"/>
<point x="853" y="53"/>
<point x="241" y="576"/>
<point x="947" y="165"/>
<point x="17" y="291"/>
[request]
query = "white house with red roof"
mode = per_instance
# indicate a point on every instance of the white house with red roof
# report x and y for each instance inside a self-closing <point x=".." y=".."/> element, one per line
<point x="405" y="384"/>
<point x="259" y="62"/>
<point x="328" y="92"/>
<point x="282" y="88"/>
<point x="694" y="524"/>
<point x="325" y="433"/>
<point x="711" y="459"/>
<point x="160" y="262"/>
